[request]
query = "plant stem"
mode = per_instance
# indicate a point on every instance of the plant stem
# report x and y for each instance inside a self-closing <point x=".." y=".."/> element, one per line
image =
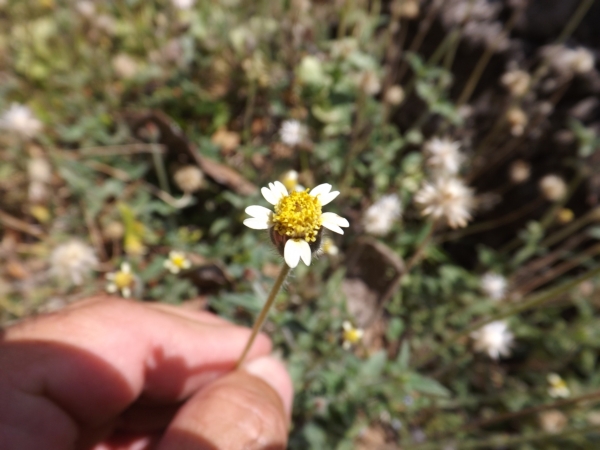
<point x="249" y="112"/>
<point x="285" y="269"/>
<point x="159" y="166"/>
<point x="484" y="60"/>
<point x="575" y="19"/>
<point x="420" y="251"/>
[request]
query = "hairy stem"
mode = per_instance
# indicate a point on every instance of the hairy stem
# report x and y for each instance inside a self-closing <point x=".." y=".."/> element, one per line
<point x="285" y="269"/>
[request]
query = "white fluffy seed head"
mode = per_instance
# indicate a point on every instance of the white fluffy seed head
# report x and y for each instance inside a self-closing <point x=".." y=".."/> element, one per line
<point x="443" y="156"/>
<point x="448" y="199"/>
<point x="292" y="132"/>
<point x="553" y="187"/>
<point x="494" y="285"/>
<point x="517" y="119"/>
<point x="516" y="82"/>
<point x="495" y="339"/>
<point x="183" y="4"/>
<point x="189" y="178"/>
<point x="125" y="66"/>
<point x="39" y="170"/>
<point x="394" y="95"/>
<point x="519" y="171"/>
<point x="567" y="61"/>
<point x="380" y="217"/>
<point x="72" y="261"/>
<point x="20" y="120"/>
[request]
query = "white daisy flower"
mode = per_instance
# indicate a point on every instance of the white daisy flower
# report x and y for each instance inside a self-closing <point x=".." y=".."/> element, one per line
<point x="495" y="339"/>
<point x="381" y="215"/>
<point x="177" y="262"/>
<point x="446" y="198"/>
<point x="121" y="281"/>
<point x="352" y="335"/>
<point x="494" y="285"/>
<point x="292" y="132"/>
<point x="443" y="156"/>
<point x="72" y="261"/>
<point x="296" y="220"/>
<point x="20" y="119"/>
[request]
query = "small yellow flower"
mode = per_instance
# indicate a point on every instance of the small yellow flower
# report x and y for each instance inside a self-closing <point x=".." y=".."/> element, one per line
<point x="177" y="261"/>
<point x="121" y="281"/>
<point x="329" y="247"/>
<point x="296" y="221"/>
<point x="558" y="387"/>
<point x="352" y="335"/>
<point x="290" y="181"/>
<point x="566" y="215"/>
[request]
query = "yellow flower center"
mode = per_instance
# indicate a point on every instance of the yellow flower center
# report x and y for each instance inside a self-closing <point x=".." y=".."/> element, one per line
<point x="352" y="335"/>
<point x="298" y="216"/>
<point x="178" y="260"/>
<point x="123" y="279"/>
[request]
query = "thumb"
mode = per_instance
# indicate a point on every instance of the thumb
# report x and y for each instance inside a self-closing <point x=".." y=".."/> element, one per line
<point x="247" y="409"/>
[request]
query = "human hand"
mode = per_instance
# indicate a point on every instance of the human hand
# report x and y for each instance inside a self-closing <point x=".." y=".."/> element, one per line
<point x="113" y="374"/>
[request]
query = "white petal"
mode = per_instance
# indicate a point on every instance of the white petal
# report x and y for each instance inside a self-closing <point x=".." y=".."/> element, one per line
<point x="291" y="252"/>
<point x="333" y="227"/>
<point x="333" y="222"/>
<point x="257" y="224"/>
<point x="269" y="196"/>
<point x="305" y="252"/>
<point x="258" y="212"/>
<point x="328" y="198"/>
<point x="281" y="188"/>
<point x="320" y="189"/>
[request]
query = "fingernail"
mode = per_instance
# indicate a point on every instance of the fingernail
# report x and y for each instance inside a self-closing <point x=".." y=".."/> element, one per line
<point x="273" y="372"/>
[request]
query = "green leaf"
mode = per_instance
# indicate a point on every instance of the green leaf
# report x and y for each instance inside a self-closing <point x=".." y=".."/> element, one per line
<point x="426" y="385"/>
<point x="373" y="367"/>
<point x="404" y="356"/>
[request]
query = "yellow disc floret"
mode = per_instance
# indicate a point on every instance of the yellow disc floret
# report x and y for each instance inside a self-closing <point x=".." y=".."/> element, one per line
<point x="123" y="279"/>
<point x="298" y="216"/>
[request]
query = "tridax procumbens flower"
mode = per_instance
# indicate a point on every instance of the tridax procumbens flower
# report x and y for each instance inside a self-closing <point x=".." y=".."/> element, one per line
<point x="177" y="262"/>
<point x="295" y="224"/>
<point x="121" y="281"/>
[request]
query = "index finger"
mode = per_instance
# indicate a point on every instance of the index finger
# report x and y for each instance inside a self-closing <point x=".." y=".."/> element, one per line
<point x="98" y="358"/>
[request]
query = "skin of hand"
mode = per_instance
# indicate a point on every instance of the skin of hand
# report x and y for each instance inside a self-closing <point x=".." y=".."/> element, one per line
<point x="109" y="374"/>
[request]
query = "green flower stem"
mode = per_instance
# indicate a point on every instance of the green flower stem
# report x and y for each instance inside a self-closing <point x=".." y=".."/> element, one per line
<point x="420" y="251"/>
<point x="424" y="27"/>
<point x="575" y="20"/>
<point x="490" y="224"/>
<point x="285" y="269"/>
<point x="249" y="111"/>
<point x="159" y="166"/>
<point x="591" y="397"/>
<point x="560" y="269"/>
<point x="527" y="303"/>
<point x="465" y="95"/>
<point x="567" y="231"/>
